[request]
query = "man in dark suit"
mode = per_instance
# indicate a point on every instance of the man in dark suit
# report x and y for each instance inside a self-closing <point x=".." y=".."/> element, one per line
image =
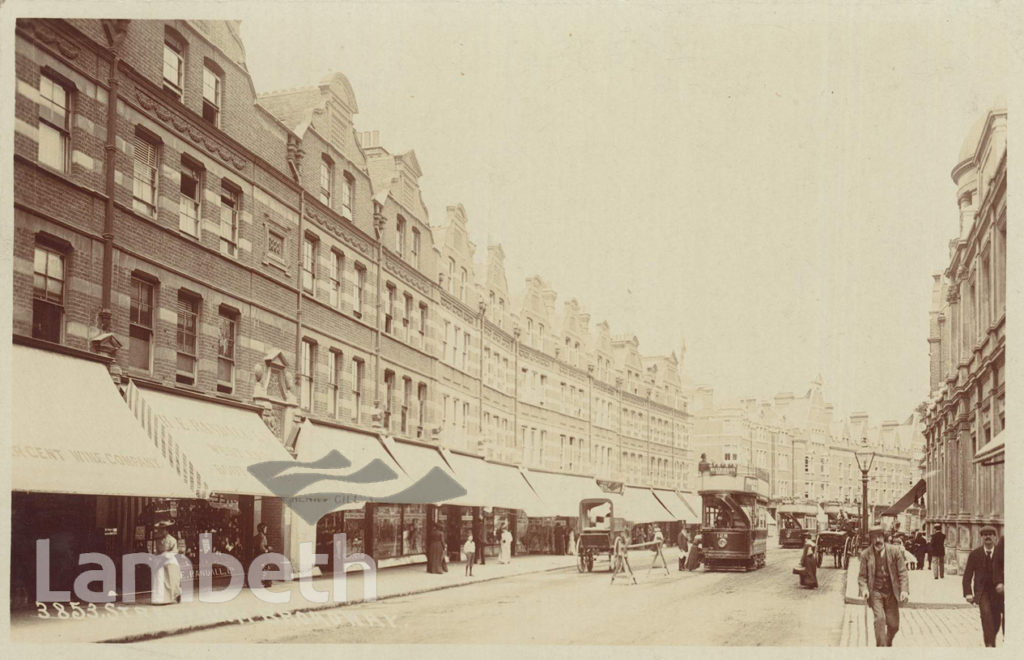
<point x="981" y="571"/>
<point x="883" y="575"/>
<point x="999" y="577"/>
<point x="937" y="553"/>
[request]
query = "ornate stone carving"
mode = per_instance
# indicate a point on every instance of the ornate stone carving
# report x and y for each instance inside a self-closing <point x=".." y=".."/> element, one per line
<point x="407" y="275"/>
<point x="458" y="310"/>
<point x="48" y="36"/>
<point x="335" y="229"/>
<point x="186" y="129"/>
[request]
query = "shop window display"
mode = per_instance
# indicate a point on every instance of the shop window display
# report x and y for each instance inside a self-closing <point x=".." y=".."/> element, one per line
<point x="387" y="523"/>
<point x="218" y="516"/>
<point x="350" y="523"/>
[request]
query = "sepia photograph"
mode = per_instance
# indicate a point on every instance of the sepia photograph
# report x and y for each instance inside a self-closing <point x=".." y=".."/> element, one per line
<point x="517" y="323"/>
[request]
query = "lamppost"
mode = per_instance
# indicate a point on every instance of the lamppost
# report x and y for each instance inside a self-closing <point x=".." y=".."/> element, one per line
<point x="865" y="456"/>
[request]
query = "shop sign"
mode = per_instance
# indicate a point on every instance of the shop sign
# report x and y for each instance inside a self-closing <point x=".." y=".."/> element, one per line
<point x="615" y="487"/>
<point x="110" y="531"/>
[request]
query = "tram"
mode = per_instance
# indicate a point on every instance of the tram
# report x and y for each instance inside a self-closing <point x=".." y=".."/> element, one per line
<point x="798" y="521"/>
<point x="734" y="521"/>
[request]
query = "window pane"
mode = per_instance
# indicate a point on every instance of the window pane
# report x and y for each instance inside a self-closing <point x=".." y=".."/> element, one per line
<point x="51" y="146"/>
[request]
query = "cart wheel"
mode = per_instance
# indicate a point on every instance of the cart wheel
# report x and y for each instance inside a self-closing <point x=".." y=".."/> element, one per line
<point x="821" y="557"/>
<point x="581" y="562"/>
<point x="590" y="561"/>
<point x="847" y="551"/>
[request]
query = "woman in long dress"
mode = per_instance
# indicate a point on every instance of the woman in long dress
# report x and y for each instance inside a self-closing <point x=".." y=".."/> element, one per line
<point x="506" y="546"/>
<point x="809" y="562"/>
<point x="435" y="551"/>
<point x="167" y="578"/>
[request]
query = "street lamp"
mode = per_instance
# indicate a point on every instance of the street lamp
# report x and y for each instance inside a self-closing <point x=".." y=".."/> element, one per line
<point x="865" y="456"/>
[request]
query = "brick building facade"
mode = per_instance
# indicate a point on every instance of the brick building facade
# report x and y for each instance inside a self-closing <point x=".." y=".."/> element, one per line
<point x="257" y="253"/>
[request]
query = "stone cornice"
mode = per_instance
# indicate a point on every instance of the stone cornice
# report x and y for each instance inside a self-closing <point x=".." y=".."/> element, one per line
<point x="46" y="35"/>
<point x="185" y="127"/>
<point x="458" y="308"/>
<point x="407" y="274"/>
<point x="349" y="236"/>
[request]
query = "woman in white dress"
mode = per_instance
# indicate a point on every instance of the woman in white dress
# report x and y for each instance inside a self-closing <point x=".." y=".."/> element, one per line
<point x="506" y="546"/>
<point x="167" y="578"/>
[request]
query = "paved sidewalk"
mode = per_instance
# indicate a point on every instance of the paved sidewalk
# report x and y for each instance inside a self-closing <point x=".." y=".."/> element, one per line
<point x="936" y="616"/>
<point x="139" y="621"/>
<point x="925" y="590"/>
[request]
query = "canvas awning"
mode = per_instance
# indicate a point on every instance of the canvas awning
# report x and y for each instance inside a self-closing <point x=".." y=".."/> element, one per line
<point x="562" y="493"/>
<point x="675" y="506"/>
<point x="693" y="502"/>
<point x="639" y="505"/>
<point x="71" y="432"/>
<point x="349" y="467"/>
<point x="491" y="484"/>
<point x="911" y="496"/>
<point x="214" y="444"/>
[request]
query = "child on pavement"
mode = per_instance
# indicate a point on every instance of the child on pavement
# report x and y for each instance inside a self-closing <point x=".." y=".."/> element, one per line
<point x="469" y="552"/>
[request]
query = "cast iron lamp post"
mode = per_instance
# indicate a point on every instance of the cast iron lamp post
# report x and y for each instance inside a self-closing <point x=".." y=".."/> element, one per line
<point x="865" y="456"/>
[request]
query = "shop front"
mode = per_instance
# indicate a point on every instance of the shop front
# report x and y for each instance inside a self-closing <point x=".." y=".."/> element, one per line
<point x="82" y="470"/>
<point x="212" y="445"/>
<point x="560" y="496"/>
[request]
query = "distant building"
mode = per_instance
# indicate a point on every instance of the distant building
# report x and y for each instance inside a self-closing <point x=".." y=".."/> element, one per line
<point x="964" y="418"/>
<point x="804" y="451"/>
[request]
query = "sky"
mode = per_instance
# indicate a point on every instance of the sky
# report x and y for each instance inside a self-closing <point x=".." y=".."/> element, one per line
<point x="769" y="182"/>
<point x="770" y="185"/>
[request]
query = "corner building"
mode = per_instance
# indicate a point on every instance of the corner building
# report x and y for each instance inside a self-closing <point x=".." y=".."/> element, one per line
<point x="221" y="257"/>
<point x="965" y="416"/>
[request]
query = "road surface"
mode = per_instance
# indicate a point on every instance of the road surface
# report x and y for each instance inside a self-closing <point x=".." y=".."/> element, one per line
<point x="764" y="607"/>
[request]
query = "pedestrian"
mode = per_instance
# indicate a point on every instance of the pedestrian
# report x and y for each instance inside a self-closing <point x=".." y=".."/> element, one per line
<point x="998" y="577"/>
<point x="809" y="566"/>
<point x="919" y="547"/>
<point x="167" y="577"/>
<point x="696" y="555"/>
<point x="469" y="553"/>
<point x="572" y="541"/>
<point x="435" y="551"/>
<point x="659" y="537"/>
<point x="981" y="571"/>
<point x="261" y="545"/>
<point x="684" y="547"/>
<point x="506" y="545"/>
<point x="883" y="574"/>
<point x="479" y="539"/>
<point x="937" y="553"/>
<point x="559" y="539"/>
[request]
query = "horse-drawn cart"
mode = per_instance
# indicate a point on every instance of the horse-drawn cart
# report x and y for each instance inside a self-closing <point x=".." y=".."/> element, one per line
<point x="601" y="532"/>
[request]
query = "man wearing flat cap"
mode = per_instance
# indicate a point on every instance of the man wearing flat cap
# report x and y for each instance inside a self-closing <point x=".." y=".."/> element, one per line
<point x="980" y="584"/>
<point x="883" y="576"/>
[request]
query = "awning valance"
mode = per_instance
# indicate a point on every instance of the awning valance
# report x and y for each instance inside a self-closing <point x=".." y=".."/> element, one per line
<point x="992" y="448"/>
<point x="71" y="432"/>
<point x="911" y="496"/>
<point x="213" y="444"/>
<point x="639" y="505"/>
<point x="562" y="493"/>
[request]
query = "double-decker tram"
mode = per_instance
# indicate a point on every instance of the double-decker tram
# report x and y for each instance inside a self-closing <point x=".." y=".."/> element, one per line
<point x="798" y="521"/>
<point x="734" y="522"/>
